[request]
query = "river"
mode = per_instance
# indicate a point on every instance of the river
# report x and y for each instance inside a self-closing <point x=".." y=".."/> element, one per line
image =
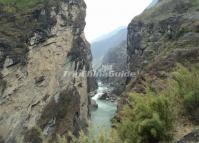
<point x="101" y="117"/>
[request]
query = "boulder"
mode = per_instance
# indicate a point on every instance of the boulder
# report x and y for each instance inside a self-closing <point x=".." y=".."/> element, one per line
<point x="93" y="105"/>
<point x="108" y="97"/>
<point x="104" y="96"/>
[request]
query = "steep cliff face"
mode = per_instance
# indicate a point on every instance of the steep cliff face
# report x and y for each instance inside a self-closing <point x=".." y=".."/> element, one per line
<point x="38" y="46"/>
<point x="167" y="27"/>
<point x="162" y="36"/>
<point x="117" y="59"/>
<point x="158" y="39"/>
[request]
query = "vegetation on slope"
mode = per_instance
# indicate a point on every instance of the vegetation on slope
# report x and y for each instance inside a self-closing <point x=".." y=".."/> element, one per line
<point x="21" y="4"/>
<point x="151" y="117"/>
<point x="19" y="20"/>
<point x="149" y="121"/>
<point x="188" y="90"/>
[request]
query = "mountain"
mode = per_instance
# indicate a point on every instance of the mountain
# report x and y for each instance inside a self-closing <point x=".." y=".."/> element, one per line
<point x="101" y="47"/>
<point x="41" y="44"/>
<point x="108" y="35"/>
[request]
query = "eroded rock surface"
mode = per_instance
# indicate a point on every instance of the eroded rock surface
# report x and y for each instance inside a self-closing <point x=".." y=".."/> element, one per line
<point x="35" y="90"/>
<point x="190" y="138"/>
<point x="167" y="26"/>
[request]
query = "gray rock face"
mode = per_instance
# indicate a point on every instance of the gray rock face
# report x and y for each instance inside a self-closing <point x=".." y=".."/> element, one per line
<point x="190" y="138"/>
<point x="34" y="88"/>
<point x="161" y="29"/>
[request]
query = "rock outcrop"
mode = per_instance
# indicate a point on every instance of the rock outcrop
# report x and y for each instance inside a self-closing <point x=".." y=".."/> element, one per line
<point x="39" y="48"/>
<point x="192" y="137"/>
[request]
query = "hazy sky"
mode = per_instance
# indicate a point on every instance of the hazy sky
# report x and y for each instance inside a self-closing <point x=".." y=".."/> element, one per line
<point x="104" y="16"/>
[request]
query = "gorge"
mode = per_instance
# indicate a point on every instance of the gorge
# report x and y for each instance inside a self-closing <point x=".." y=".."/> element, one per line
<point x="41" y="40"/>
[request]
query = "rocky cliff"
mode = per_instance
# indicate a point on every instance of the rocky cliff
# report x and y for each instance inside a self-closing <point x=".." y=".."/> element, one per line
<point x="162" y="36"/>
<point x="116" y="58"/>
<point x="40" y="41"/>
<point x="162" y="30"/>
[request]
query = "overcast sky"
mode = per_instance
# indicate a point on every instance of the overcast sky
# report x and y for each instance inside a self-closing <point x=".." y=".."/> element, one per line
<point x="104" y="16"/>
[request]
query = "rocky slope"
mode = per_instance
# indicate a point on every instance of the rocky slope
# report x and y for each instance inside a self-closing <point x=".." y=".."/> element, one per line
<point x="192" y="137"/>
<point x="39" y="43"/>
<point x="117" y="58"/>
<point x="156" y="34"/>
<point x="158" y="39"/>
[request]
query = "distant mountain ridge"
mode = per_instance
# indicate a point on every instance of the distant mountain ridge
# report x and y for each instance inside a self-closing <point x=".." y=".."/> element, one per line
<point x="111" y="40"/>
<point x="117" y="58"/>
<point x="108" y="35"/>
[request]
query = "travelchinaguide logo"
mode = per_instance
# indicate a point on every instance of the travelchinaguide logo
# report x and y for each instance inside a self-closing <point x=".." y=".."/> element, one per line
<point x="102" y="71"/>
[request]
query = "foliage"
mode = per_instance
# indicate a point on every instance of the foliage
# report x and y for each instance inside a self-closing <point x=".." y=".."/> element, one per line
<point x="149" y="121"/>
<point x="188" y="87"/>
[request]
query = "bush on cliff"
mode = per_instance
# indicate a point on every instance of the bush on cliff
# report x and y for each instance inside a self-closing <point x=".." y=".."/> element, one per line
<point x="188" y="90"/>
<point x="149" y="119"/>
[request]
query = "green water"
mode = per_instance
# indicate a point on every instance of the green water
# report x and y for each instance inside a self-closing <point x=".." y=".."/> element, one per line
<point x="101" y="118"/>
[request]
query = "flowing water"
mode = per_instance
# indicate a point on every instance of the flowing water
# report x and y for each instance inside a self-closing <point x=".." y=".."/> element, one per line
<point x="101" y="118"/>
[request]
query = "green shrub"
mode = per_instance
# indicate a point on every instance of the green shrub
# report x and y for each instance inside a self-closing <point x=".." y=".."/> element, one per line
<point x="149" y="121"/>
<point x="188" y="84"/>
<point x="150" y="118"/>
